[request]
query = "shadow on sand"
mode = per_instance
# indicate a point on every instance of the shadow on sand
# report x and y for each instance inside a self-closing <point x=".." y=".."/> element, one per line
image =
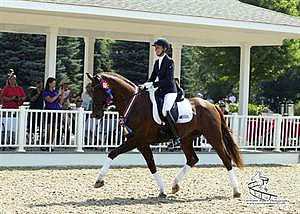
<point x="129" y="201"/>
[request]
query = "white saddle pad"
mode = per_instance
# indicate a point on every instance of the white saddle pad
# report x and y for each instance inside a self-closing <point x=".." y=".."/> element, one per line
<point x="185" y="112"/>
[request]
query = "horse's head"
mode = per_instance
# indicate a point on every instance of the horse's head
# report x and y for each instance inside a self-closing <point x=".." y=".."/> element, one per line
<point x="98" y="95"/>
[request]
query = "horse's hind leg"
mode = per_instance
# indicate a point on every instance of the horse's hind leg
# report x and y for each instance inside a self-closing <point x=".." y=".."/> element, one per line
<point x="215" y="139"/>
<point x="192" y="159"/>
<point x="125" y="147"/>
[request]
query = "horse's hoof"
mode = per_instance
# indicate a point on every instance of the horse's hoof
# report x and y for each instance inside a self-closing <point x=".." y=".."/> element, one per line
<point x="175" y="188"/>
<point x="236" y="195"/>
<point x="99" y="184"/>
<point x="162" y="195"/>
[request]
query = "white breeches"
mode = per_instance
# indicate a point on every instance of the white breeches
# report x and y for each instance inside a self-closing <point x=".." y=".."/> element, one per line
<point x="169" y="100"/>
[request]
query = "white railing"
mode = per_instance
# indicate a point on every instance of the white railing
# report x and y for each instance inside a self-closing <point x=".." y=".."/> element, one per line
<point x="25" y="128"/>
<point x="9" y="127"/>
<point x="105" y="133"/>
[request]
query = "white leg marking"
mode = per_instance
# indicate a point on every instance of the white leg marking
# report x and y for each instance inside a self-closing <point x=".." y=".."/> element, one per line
<point x="159" y="182"/>
<point x="233" y="180"/>
<point x="105" y="168"/>
<point x="182" y="172"/>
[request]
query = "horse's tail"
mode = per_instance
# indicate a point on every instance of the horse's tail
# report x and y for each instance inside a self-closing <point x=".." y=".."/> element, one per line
<point x="231" y="147"/>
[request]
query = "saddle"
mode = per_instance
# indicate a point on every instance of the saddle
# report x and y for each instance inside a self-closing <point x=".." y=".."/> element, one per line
<point x="160" y="102"/>
<point x="181" y="110"/>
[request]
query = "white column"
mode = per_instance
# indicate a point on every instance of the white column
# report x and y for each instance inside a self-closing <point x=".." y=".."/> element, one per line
<point x="152" y="57"/>
<point x="244" y="79"/>
<point x="176" y="55"/>
<point x="51" y="47"/>
<point x="80" y="130"/>
<point x="89" y="48"/>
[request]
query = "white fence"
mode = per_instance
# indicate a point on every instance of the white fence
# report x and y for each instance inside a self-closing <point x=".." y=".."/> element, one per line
<point x="24" y="129"/>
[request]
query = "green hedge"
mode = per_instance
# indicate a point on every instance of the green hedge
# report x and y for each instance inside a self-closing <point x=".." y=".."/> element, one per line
<point x="297" y="108"/>
<point x="253" y="109"/>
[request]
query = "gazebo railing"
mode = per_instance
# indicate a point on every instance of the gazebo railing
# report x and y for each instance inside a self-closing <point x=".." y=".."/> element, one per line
<point x="26" y="128"/>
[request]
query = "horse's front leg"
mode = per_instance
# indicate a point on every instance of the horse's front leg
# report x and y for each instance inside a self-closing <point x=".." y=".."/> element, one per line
<point x="148" y="156"/>
<point x="125" y="147"/>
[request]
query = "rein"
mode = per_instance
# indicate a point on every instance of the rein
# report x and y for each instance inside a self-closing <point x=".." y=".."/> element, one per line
<point x="124" y="117"/>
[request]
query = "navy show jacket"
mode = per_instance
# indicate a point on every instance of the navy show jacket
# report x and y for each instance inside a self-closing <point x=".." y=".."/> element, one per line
<point x="166" y="82"/>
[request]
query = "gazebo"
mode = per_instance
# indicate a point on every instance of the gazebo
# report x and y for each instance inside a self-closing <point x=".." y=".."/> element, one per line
<point x="209" y="23"/>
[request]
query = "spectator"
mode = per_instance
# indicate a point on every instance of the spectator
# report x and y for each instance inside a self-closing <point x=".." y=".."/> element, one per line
<point x="67" y="95"/>
<point x="223" y="108"/>
<point x="36" y="96"/>
<point x="36" y="102"/>
<point x="13" y="95"/>
<point x="78" y="102"/>
<point x="87" y="98"/>
<point x="1" y="96"/>
<point x="53" y="101"/>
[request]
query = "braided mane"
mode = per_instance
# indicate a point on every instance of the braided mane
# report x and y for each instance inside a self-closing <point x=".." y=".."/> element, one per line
<point x="116" y="76"/>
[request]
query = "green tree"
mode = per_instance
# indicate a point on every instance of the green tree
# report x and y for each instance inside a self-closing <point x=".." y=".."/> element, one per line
<point x="131" y="60"/>
<point x="102" y="61"/>
<point x="69" y="63"/>
<point x="285" y="87"/>
<point x="210" y="71"/>
<point x="25" y="53"/>
<point x="267" y="74"/>
<point x="215" y="71"/>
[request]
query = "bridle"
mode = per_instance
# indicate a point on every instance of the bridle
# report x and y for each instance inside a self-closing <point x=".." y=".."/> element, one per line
<point x="104" y="85"/>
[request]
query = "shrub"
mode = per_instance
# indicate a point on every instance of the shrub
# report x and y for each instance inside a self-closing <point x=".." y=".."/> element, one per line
<point x="297" y="108"/>
<point x="233" y="107"/>
<point x="253" y="109"/>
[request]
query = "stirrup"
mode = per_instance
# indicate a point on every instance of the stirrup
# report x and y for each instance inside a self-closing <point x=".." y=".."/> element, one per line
<point x="175" y="142"/>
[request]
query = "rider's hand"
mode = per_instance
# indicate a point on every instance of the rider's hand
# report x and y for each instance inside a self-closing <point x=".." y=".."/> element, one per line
<point x="146" y="85"/>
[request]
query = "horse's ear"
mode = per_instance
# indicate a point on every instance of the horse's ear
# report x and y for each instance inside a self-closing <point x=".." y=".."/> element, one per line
<point x="90" y="76"/>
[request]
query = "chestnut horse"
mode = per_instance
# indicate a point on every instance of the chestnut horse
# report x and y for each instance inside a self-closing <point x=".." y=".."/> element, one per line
<point x="208" y="121"/>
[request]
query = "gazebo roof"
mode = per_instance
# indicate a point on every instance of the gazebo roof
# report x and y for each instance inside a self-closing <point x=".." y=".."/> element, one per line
<point x="192" y="22"/>
<point x="233" y="10"/>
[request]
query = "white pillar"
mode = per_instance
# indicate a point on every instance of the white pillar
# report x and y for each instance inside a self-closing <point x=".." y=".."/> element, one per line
<point x="51" y="47"/>
<point x="89" y="47"/>
<point x="176" y="55"/>
<point x="244" y="79"/>
<point x="152" y="57"/>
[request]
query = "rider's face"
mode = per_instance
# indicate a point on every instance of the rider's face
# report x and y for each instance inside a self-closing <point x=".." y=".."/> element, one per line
<point x="159" y="50"/>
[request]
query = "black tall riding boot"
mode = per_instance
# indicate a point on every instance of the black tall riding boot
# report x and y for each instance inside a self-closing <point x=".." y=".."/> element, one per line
<point x="172" y="125"/>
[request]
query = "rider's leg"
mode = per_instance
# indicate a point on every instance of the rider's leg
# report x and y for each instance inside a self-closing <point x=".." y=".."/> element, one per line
<point x="169" y="100"/>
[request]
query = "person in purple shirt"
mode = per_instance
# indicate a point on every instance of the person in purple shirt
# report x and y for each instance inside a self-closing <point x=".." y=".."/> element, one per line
<point x="53" y="101"/>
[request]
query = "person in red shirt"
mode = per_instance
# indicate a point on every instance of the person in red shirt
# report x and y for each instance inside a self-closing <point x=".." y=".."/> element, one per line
<point x="13" y="95"/>
<point x="1" y="96"/>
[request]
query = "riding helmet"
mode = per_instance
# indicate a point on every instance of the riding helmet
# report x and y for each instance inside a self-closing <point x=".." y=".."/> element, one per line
<point x="162" y="42"/>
